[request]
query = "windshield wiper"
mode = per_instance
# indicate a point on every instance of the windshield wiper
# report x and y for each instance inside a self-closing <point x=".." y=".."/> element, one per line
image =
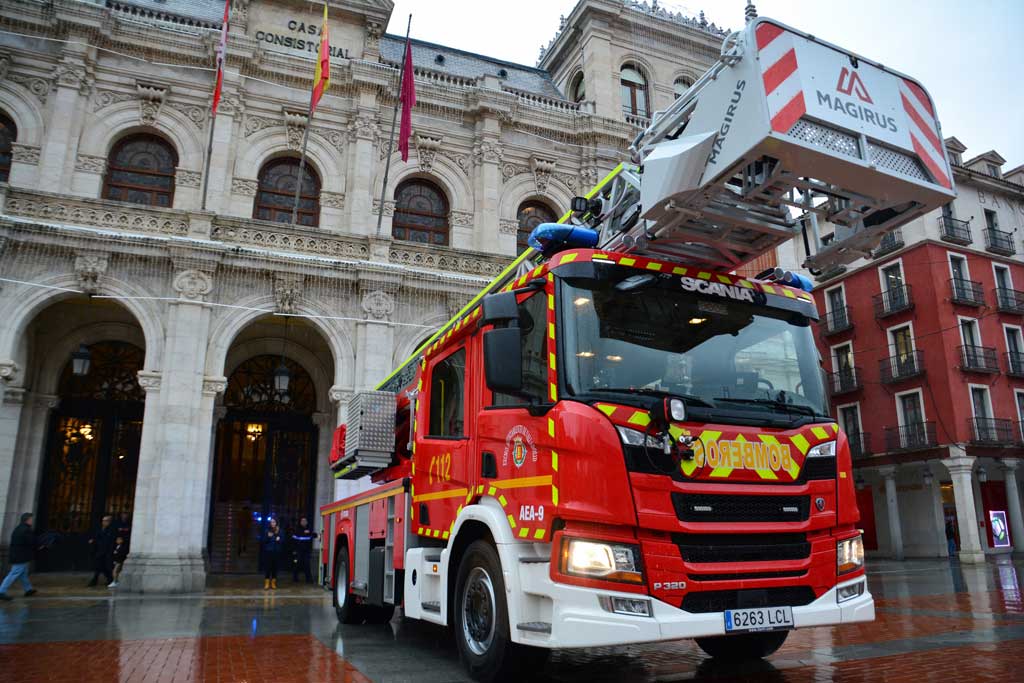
<point x="692" y="400"/>
<point x="782" y="405"/>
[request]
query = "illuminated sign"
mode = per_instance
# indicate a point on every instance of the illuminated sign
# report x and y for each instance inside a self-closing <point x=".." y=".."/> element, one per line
<point x="1000" y="534"/>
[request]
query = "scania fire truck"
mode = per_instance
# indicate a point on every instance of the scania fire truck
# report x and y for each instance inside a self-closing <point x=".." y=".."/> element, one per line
<point x="619" y="440"/>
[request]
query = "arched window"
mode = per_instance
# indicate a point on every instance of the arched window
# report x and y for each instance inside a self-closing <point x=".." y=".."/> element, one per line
<point x="681" y="86"/>
<point x="276" y="195"/>
<point x="421" y="213"/>
<point x="8" y="134"/>
<point x="140" y="170"/>
<point x="578" y="92"/>
<point x="634" y="91"/>
<point x="531" y="214"/>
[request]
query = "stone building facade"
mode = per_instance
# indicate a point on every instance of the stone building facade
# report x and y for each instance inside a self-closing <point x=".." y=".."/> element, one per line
<point x="186" y="361"/>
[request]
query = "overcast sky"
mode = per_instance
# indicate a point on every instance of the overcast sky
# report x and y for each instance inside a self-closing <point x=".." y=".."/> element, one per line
<point x="968" y="54"/>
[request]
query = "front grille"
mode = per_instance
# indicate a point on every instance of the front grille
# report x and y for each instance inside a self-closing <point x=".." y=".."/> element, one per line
<point x="703" y="548"/>
<point x="746" y="577"/>
<point x="718" y="601"/>
<point x="709" y="507"/>
<point x="820" y="468"/>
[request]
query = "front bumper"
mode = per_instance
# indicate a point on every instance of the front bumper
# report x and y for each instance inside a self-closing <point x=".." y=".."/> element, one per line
<point x="578" y="620"/>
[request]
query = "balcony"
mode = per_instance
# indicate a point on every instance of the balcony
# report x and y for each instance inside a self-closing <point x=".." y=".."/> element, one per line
<point x="999" y="242"/>
<point x="901" y="367"/>
<point x="967" y="292"/>
<point x="1014" y="363"/>
<point x="978" y="359"/>
<point x="844" y="381"/>
<point x="908" y="437"/>
<point x="838" y="320"/>
<point x="955" y="231"/>
<point x="893" y="300"/>
<point x="890" y="243"/>
<point x="987" y="431"/>
<point x="1009" y="300"/>
<point x="860" y="445"/>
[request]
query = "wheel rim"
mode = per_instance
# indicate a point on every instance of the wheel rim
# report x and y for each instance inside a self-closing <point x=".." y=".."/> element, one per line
<point x="478" y="611"/>
<point x="341" y="584"/>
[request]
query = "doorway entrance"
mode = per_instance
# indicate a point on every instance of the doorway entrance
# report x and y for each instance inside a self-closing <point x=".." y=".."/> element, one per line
<point x="92" y="450"/>
<point x="265" y="465"/>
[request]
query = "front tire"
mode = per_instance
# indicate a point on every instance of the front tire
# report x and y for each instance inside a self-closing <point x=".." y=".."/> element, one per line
<point x="344" y="602"/>
<point x="743" y="646"/>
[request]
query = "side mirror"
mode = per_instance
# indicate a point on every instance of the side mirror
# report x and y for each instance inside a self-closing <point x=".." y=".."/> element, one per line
<point x="500" y="308"/>
<point x="503" y="363"/>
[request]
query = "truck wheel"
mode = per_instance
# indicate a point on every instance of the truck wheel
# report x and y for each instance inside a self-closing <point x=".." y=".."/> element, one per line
<point x="344" y="603"/>
<point x="481" y="619"/>
<point x="744" y="645"/>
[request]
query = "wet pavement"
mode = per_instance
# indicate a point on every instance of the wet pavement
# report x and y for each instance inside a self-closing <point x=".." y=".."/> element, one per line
<point x="937" y="621"/>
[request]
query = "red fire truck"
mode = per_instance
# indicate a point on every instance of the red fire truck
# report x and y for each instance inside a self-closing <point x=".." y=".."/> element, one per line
<point x="618" y="440"/>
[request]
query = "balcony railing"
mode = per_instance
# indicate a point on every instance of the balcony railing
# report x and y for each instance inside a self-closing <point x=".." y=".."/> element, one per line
<point x="838" y="320"/>
<point x="978" y="359"/>
<point x="992" y="431"/>
<point x="893" y="300"/>
<point x="967" y="292"/>
<point x="954" y="230"/>
<point x="901" y="366"/>
<point x="1009" y="300"/>
<point x="860" y="445"/>
<point x="910" y="436"/>
<point x="999" y="242"/>
<point x="890" y="243"/>
<point x="1014" y="363"/>
<point x="844" y="381"/>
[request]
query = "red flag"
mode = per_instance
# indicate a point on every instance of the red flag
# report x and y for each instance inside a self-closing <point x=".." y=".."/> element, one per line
<point x="222" y="51"/>
<point x="408" y="100"/>
<point x="322" y="75"/>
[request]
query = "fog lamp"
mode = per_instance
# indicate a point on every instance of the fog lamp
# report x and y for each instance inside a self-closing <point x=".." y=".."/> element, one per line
<point x="633" y="607"/>
<point x="854" y="590"/>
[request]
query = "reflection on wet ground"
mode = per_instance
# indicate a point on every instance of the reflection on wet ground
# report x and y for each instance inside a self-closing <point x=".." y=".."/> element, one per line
<point x="936" y="621"/>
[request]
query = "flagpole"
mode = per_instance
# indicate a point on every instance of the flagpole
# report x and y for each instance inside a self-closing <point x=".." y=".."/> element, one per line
<point x="209" y="155"/>
<point x="302" y="163"/>
<point x="391" y="139"/>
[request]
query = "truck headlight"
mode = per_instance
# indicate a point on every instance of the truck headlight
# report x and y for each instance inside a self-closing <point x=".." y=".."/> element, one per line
<point x="597" y="560"/>
<point x="823" y="450"/>
<point x="849" y="555"/>
<point x="633" y="437"/>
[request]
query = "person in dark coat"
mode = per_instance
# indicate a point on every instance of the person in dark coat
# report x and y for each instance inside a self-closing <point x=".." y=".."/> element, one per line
<point x="23" y="546"/>
<point x="272" y="545"/>
<point x="102" y="544"/>
<point x="302" y="545"/>
<point x="124" y="529"/>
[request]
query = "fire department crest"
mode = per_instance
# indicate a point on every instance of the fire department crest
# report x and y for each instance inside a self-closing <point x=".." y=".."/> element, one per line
<point x="519" y="443"/>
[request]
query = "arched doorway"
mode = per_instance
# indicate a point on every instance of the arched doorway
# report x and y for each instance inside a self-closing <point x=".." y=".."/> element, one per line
<point x="92" y="451"/>
<point x="266" y="458"/>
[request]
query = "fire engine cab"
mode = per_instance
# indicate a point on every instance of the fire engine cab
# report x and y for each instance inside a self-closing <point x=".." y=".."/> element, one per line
<point x="619" y="440"/>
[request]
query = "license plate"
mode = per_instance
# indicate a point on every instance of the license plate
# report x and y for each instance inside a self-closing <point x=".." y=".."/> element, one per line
<point x="758" y="619"/>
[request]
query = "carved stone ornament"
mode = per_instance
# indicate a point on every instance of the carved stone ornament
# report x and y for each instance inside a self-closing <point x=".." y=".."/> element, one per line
<point x="149" y="380"/>
<point x="72" y="76"/>
<point x="239" y="13"/>
<point x="214" y="385"/>
<point x="91" y="164"/>
<point x="25" y="154"/>
<point x="462" y="219"/>
<point x="8" y="370"/>
<point x="374" y="30"/>
<point x="193" y="284"/>
<point x="287" y="291"/>
<point x="340" y="394"/>
<point x="542" y="170"/>
<point x="509" y="171"/>
<point x="426" y="150"/>
<point x="105" y="98"/>
<point x="487" y="152"/>
<point x="151" y="98"/>
<point x="362" y="128"/>
<point x="588" y="176"/>
<point x="14" y="396"/>
<point x="378" y="305"/>
<point x="254" y="124"/>
<point x="88" y="269"/>
<point x="389" y="207"/>
<point x="507" y="226"/>
<point x="332" y="200"/>
<point x="295" y="127"/>
<point x="184" y="178"/>
<point x="244" y="186"/>
<point x="39" y="87"/>
<point x="460" y="160"/>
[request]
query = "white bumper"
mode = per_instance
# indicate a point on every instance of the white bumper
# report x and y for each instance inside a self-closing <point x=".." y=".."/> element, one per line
<point x="578" y="620"/>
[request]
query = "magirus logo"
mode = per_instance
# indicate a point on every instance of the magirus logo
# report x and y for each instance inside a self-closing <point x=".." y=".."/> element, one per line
<point x="851" y="84"/>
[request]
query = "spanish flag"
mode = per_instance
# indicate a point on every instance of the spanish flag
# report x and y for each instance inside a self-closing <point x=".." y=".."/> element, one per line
<point x="322" y="75"/>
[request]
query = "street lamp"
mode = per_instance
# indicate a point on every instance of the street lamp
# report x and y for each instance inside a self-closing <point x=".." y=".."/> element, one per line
<point x="80" y="361"/>
<point x="282" y="378"/>
<point x="982" y="474"/>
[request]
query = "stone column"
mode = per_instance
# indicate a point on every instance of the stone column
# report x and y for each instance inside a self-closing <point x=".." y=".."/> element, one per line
<point x="487" y="156"/>
<point x="939" y="518"/>
<point x="599" y="73"/>
<point x="960" y="468"/>
<point x="71" y="85"/>
<point x="10" y="420"/>
<point x="1010" y="466"/>
<point x="374" y="339"/>
<point x="363" y="162"/>
<point x="893" y="506"/>
<point x="198" y="516"/>
<point x="28" y="460"/>
<point x="222" y="158"/>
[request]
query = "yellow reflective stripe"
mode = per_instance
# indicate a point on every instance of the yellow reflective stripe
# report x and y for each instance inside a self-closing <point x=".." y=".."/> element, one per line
<point x="568" y="258"/>
<point x="745" y="283"/>
<point x="551" y="360"/>
<point x="679" y="271"/>
<point x="539" y="534"/>
<point x="552" y="391"/>
<point x="725" y="280"/>
<point x="640" y="418"/>
<point x="551" y="330"/>
<point x="523" y="532"/>
<point x="491" y="491"/>
<point x="439" y="495"/>
<point x="445" y="535"/>
<point x="551" y="427"/>
<point x="512" y="521"/>
<point x="521" y="483"/>
<point x="501" y="499"/>
<point x="653" y="266"/>
<point x="801" y="443"/>
<point x="554" y="461"/>
<point x="627" y="261"/>
<point x="606" y="409"/>
<point x="554" y="495"/>
<point x="819" y="432"/>
<point x="703" y="275"/>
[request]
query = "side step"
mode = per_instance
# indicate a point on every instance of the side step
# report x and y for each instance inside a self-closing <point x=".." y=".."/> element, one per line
<point x="535" y="627"/>
<point x="432" y="606"/>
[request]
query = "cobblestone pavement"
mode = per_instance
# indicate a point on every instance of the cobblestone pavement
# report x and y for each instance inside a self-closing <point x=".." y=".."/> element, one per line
<point x="937" y="621"/>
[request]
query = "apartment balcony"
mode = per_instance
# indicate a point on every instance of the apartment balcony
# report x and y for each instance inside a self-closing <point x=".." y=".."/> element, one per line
<point x="1014" y="363"/>
<point x="893" y="300"/>
<point x="845" y="381"/>
<point x="909" y="437"/>
<point x="967" y="292"/>
<point x="1009" y="300"/>
<point x="999" y="242"/>
<point x="955" y="231"/>
<point x="890" y="242"/>
<point x="987" y="431"/>
<point x="838" y="320"/>
<point x="860" y="445"/>
<point x="901" y="367"/>
<point x="978" y="359"/>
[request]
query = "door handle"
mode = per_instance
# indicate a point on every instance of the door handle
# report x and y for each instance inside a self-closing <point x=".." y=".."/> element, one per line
<point x="488" y="465"/>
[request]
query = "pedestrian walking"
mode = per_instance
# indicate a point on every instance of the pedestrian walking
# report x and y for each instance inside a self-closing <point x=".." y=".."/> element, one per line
<point x="119" y="554"/>
<point x="23" y="546"/>
<point x="302" y="545"/>
<point x="102" y="543"/>
<point x="272" y="546"/>
<point x="124" y="530"/>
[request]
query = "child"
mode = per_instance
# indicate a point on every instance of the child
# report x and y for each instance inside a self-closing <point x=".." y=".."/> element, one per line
<point x="120" y="553"/>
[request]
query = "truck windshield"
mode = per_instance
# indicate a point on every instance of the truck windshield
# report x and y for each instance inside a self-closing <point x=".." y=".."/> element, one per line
<point x="656" y="337"/>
